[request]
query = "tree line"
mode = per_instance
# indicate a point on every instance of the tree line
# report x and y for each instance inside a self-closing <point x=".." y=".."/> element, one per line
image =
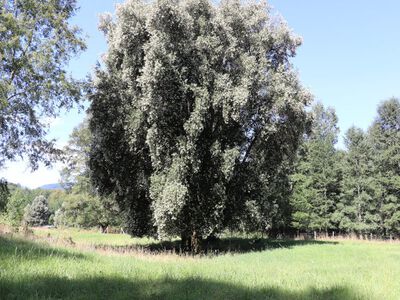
<point x="198" y="123"/>
<point x="355" y="190"/>
<point x="59" y="208"/>
<point x="75" y="205"/>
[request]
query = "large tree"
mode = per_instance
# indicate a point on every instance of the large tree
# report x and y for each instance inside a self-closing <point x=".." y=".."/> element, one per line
<point x="82" y="206"/>
<point x="385" y="135"/>
<point x="75" y="173"/>
<point x="316" y="181"/>
<point x="36" y="43"/>
<point x="357" y="210"/>
<point x="195" y="114"/>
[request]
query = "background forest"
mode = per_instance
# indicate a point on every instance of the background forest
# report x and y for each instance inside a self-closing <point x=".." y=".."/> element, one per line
<point x="331" y="190"/>
<point x="198" y="123"/>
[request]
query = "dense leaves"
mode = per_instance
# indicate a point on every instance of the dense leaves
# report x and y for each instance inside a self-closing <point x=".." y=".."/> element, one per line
<point x="385" y="136"/>
<point x="86" y="210"/>
<point x="75" y="174"/>
<point x="353" y="191"/>
<point x="357" y="210"/>
<point x="81" y="206"/>
<point x="196" y="115"/>
<point x="317" y="177"/>
<point x="37" y="213"/>
<point x="19" y="199"/>
<point x="4" y="194"/>
<point x="36" y="43"/>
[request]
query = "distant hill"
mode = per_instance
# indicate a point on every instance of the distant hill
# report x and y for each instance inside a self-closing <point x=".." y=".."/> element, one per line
<point x="51" y="186"/>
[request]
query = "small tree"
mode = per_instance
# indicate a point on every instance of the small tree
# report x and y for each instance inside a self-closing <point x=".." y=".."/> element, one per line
<point x="19" y="199"/>
<point x="37" y="213"/>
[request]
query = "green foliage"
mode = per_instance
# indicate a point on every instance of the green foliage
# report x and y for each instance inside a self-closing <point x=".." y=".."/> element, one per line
<point x="85" y="211"/>
<point x="75" y="174"/>
<point x="19" y="199"/>
<point x="196" y="116"/>
<point x="352" y="191"/>
<point x="357" y="210"/>
<point x="385" y="136"/>
<point x="77" y="210"/>
<point x="37" y="213"/>
<point x="56" y="199"/>
<point x="317" y="176"/>
<point x="80" y="205"/>
<point x="36" y="43"/>
<point x="4" y="194"/>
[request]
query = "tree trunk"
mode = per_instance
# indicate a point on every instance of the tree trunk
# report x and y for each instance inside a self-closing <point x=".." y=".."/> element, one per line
<point x="195" y="242"/>
<point x="191" y="242"/>
<point x="103" y="228"/>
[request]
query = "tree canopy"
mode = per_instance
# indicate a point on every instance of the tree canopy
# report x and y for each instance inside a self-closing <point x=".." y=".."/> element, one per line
<point x="195" y="115"/>
<point x="351" y="191"/>
<point x="75" y="174"/>
<point x="36" y="43"/>
<point x="82" y="206"/>
<point x="317" y="175"/>
<point x="385" y="137"/>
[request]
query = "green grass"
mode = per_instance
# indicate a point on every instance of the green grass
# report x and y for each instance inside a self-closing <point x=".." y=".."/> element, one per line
<point x="286" y="270"/>
<point x="91" y="237"/>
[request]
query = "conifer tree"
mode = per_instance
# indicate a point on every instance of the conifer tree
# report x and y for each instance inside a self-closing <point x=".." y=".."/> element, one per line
<point x="357" y="210"/>
<point x="317" y="177"/>
<point x="37" y="213"/>
<point x="385" y="135"/>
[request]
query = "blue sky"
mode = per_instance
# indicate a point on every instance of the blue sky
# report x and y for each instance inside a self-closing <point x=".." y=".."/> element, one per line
<point x="350" y="53"/>
<point x="349" y="60"/>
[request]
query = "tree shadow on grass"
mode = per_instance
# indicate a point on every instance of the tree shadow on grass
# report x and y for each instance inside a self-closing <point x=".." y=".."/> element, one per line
<point x="123" y="288"/>
<point x="216" y="246"/>
<point x="25" y="249"/>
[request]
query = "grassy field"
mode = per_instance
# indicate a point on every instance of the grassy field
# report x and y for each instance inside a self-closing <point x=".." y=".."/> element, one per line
<point x="284" y="270"/>
<point x="90" y="237"/>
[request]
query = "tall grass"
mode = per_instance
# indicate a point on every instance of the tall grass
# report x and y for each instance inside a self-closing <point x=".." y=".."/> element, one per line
<point x="285" y="270"/>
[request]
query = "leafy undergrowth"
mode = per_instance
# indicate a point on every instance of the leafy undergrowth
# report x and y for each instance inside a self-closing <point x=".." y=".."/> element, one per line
<point x="284" y="270"/>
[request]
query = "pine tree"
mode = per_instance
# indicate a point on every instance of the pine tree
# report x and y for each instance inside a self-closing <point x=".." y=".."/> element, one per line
<point x="357" y="210"/>
<point x="316" y="181"/>
<point x="37" y="213"/>
<point x="385" y="135"/>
